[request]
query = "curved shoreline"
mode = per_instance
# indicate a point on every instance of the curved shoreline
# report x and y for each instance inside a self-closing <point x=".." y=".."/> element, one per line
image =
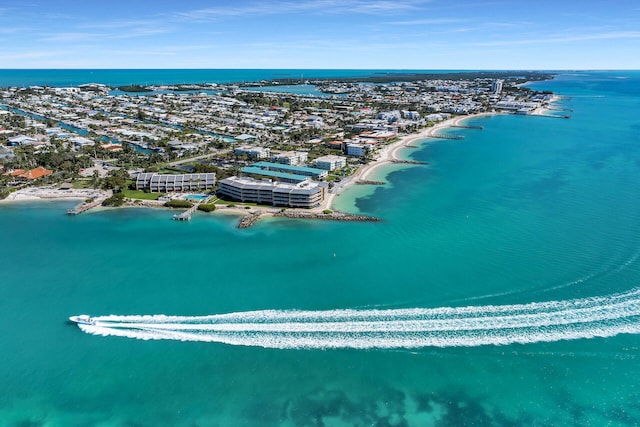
<point x="389" y="154"/>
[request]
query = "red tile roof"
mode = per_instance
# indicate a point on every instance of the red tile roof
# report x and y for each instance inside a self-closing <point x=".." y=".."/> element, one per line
<point x="16" y="172"/>
<point x="36" y="173"/>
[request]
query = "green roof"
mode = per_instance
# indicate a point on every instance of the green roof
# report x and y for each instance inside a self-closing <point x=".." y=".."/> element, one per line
<point x="274" y="174"/>
<point x="288" y="168"/>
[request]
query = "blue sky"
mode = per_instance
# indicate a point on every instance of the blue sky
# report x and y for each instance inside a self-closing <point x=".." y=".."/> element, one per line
<point x="381" y="34"/>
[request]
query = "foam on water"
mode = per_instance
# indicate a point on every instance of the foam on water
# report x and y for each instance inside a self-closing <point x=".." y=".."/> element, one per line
<point x="401" y="328"/>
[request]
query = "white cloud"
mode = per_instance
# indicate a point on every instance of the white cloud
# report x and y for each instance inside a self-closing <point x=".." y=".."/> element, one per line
<point x="377" y="7"/>
<point x="564" y="39"/>
<point x="87" y="36"/>
<point x="434" y="21"/>
<point x="32" y="55"/>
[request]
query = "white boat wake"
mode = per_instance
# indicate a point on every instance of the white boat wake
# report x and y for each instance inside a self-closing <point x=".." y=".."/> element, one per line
<point x="604" y="316"/>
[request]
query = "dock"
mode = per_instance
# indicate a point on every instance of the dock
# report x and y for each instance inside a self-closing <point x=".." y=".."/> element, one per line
<point x="445" y="136"/>
<point x="186" y="215"/>
<point x="468" y="127"/>
<point x="85" y="206"/>
<point x="553" y="116"/>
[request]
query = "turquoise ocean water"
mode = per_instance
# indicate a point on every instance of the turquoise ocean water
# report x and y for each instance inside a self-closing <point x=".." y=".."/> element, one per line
<point x="119" y="77"/>
<point x="528" y="210"/>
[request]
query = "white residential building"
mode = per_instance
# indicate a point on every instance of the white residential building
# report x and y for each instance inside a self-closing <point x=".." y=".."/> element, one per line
<point x="358" y="150"/>
<point x="306" y="194"/>
<point x="22" y="140"/>
<point x="389" y="116"/>
<point x="185" y="182"/>
<point x="410" y="115"/>
<point x="330" y="162"/>
<point x="80" y="141"/>
<point x="252" y="152"/>
<point x="496" y="86"/>
<point x="291" y="157"/>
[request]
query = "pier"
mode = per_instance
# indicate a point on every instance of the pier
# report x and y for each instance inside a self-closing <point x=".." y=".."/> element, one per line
<point x="186" y="215"/>
<point x="468" y="127"/>
<point x="553" y="116"/>
<point x="85" y="206"/>
<point x="445" y="136"/>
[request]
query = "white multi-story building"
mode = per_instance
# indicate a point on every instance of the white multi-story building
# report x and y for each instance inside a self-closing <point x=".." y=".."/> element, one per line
<point x="410" y="115"/>
<point x="165" y="183"/>
<point x="358" y="150"/>
<point x="252" y="152"/>
<point x="306" y="194"/>
<point x="291" y="157"/>
<point x="496" y="86"/>
<point x="330" y="162"/>
<point x="389" y="116"/>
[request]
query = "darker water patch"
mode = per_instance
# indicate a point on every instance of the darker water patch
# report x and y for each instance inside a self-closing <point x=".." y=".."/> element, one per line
<point x="28" y="423"/>
<point x="394" y="407"/>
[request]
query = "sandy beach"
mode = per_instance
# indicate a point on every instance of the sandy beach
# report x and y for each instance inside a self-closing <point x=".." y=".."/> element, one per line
<point x="546" y="109"/>
<point x="48" y="193"/>
<point x="389" y="154"/>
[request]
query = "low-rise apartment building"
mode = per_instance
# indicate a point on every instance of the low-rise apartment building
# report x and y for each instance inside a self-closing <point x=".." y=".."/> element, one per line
<point x="156" y="183"/>
<point x="306" y="194"/>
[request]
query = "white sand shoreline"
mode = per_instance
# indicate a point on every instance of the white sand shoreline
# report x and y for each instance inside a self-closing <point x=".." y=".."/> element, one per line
<point x="48" y="193"/>
<point x="389" y="154"/>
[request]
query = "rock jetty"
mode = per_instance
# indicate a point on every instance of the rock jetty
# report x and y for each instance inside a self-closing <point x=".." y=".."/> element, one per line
<point x="364" y="182"/>
<point x="408" y="162"/>
<point x="333" y="216"/>
<point x="249" y="219"/>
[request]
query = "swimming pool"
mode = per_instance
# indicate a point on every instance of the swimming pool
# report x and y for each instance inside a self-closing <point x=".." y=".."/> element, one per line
<point x="196" y="197"/>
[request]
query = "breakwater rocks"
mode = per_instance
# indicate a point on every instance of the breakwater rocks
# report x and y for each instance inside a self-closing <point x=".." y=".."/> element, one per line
<point x="249" y="219"/>
<point x="364" y="182"/>
<point x="143" y="203"/>
<point x="333" y="216"/>
<point x="408" y="162"/>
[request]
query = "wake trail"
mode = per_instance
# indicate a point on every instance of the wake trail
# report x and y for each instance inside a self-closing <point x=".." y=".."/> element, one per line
<point x="604" y="316"/>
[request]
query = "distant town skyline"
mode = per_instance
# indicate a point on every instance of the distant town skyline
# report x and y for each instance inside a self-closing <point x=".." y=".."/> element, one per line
<point x="349" y="34"/>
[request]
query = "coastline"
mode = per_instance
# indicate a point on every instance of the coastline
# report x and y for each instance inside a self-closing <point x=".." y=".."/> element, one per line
<point x="389" y="154"/>
<point x="48" y="193"/>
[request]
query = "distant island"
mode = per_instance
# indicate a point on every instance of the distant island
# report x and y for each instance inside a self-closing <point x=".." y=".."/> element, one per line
<point x="134" y="88"/>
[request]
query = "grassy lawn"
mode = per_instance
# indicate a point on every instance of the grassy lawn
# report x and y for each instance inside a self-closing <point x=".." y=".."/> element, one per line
<point x="82" y="183"/>
<point x="139" y="194"/>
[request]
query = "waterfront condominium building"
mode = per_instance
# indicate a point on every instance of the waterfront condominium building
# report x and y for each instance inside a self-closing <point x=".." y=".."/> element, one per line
<point x="156" y="183"/>
<point x="306" y="194"/>
<point x="293" y="158"/>
<point x="358" y="150"/>
<point x="330" y="162"/>
<point x="252" y="152"/>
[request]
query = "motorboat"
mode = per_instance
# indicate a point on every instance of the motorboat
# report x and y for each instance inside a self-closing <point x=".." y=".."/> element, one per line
<point x="82" y="319"/>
